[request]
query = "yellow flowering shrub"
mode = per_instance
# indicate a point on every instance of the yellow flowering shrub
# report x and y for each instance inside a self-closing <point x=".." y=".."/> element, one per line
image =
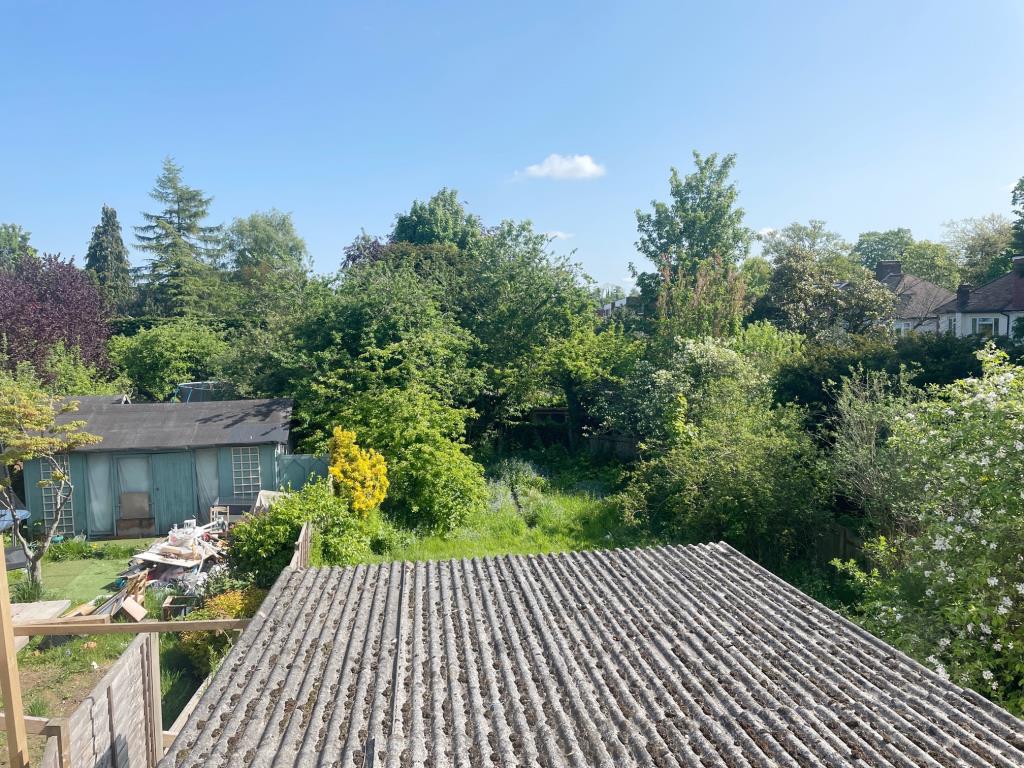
<point x="359" y="473"/>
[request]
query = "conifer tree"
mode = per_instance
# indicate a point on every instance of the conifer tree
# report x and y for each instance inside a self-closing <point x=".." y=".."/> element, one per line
<point x="107" y="261"/>
<point x="182" y="275"/>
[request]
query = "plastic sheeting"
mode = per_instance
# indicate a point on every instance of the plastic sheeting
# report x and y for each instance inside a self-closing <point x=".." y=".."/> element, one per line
<point x="101" y="502"/>
<point x="207" y="480"/>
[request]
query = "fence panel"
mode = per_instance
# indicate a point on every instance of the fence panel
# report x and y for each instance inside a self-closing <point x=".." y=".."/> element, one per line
<point x="295" y="469"/>
<point x="113" y="727"/>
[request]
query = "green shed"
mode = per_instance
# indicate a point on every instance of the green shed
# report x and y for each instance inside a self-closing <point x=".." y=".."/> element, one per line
<point x="159" y="464"/>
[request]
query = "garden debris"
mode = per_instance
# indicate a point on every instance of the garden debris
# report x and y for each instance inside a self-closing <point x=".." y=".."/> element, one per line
<point x="182" y="559"/>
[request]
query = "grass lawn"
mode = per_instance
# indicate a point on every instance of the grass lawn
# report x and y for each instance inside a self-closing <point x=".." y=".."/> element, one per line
<point x="550" y="521"/>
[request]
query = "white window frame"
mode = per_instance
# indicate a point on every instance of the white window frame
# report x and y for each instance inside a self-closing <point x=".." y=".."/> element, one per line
<point x="245" y="471"/>
<point x="52" y="496"/>
<point x="991" y="322"/>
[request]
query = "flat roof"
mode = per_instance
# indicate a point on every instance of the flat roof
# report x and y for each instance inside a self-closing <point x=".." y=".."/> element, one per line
<point x="167" y="426"/>
<point x="667" y="656"/>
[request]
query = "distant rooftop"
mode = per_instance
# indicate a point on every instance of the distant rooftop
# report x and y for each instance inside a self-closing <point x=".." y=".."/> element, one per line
<point x="162" y="426"/>
<point x="674" y="656"/>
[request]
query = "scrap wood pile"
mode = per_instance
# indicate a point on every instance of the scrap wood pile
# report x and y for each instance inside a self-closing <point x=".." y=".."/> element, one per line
<point x="183" y="560"/>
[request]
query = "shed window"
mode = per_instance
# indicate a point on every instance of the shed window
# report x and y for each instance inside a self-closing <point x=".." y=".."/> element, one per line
<point x="245" y="471"/>
<point x="52" y="497"/>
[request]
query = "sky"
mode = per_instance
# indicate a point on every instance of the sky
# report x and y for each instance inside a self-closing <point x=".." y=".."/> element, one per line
<point x="869" y="115"/>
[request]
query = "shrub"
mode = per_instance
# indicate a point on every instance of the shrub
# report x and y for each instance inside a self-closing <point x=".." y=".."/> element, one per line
<point x="262" y="545"/>
<point x="949" y="588"/>
<point x="433" y="483"/>
<point x="360" y="473"/>
<point x="206" y="649"/>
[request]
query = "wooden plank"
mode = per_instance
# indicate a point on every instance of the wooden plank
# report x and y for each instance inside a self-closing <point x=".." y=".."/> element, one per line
<point x="204" y="625"/>
<point x="42" y="609"/>
<point x="135" y="611"/>
<point x="63" y="620"/>
<point x="10" y="682"/>
<point x="36" y="726"/>
<point x="153" y="694"/>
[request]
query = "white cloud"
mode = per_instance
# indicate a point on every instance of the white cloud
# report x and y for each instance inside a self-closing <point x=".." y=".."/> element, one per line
<point x="558" y="235"/>
<point x="556" y="166"/>
<point x="764" y="232"/>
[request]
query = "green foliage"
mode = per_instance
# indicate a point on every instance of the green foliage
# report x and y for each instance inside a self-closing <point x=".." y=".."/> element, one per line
<point x="78" y="549"/>
<point x="107" y="261"/>
<point x="948" y="587"/>
<point x="206" y="649"/>
<point x="159" y="358"/>
<point x="815" y="288"/>
<point x="434" y="484"/>
<point x="442" y="219"/>
<point x="27" y="591"/>
<point x="873" y="247"/>
<point x="932" y="261"/>
<point x="262" y="545"/>
<point x="66" y="374"/>
<point x="696" y="243"/>
<point x="980" y="247"/>
<point x="182" y="278"/>
<point x="1016" y="247"/>
<point x="14" y="245"/>
<point x="736" y="468"/>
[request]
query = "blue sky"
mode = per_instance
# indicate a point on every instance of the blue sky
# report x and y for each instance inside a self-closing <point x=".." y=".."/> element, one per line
<point x="869" y="115"/>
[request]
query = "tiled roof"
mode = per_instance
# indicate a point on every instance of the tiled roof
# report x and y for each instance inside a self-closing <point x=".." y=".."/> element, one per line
<point x="688" y="656"/>
<point x="916" y="297"/>
<point x="1004" y="294"/>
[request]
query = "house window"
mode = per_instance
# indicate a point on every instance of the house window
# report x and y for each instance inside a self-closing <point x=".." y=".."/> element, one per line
<point x="903" y="327"/>
<point x="53" y="496"/>
<point x="985" y="326"/>
<point x="951" y="325"/>
<point x="245" y="472"/>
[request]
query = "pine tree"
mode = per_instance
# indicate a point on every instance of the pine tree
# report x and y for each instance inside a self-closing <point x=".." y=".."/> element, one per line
<point x="182" y="274"/>
<point x="107" y="260"/>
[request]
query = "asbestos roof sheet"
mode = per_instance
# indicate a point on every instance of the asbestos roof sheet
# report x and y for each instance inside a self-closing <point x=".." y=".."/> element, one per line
<point x="162" y="426"/>
<point x="669" y="656"/>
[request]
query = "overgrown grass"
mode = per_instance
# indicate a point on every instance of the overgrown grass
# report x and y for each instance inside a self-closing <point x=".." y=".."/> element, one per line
<point x="550" y="521"/>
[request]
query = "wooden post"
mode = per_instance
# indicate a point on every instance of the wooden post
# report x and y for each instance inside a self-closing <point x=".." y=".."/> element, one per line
<point x="17" y="741"/>
<point x="156" y="744"/>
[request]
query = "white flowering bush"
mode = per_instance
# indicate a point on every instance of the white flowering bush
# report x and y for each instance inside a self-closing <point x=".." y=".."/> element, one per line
<point x="949" y="587"/>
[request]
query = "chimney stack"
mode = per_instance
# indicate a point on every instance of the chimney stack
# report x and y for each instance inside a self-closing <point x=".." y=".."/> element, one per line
<point x="885" y="268"/>
<point x="963" y="294"/>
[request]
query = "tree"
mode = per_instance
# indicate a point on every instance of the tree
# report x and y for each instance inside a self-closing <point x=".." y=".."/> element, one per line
<point x="932" y="261"/>
<point x="107" y="260"/>
<point x="873" y="247"/>
<point x="46" y="301"/>
<point x="182" y="279"/>
<point x="442" y="219"/>
<point x="269" y="265"/>
<point x="66" y="375"/>
<point x="14" y="245"/>
<point x="816" y="289"/>
<point x="979" y="247"/>
<point x="696" y="243"/>
<point x="1016" y="247"/>
<point x="159" y="358"/>
<point x="32" y="427"/>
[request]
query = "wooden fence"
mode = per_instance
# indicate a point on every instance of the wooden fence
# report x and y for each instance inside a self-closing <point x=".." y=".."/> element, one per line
<point x="300" y="557"/>
<point x="119" y="723"/>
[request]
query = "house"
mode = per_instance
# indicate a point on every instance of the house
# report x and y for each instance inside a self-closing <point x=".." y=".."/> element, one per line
<point x="663" y="656"/>
<point x="159" y="464"/>
<point x="989" y="310"/>
<point x="917" y="299"/>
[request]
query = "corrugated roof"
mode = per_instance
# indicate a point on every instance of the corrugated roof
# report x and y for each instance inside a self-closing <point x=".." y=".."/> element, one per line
<point x="162" y="426"/>
<point x="647" y="657"/>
